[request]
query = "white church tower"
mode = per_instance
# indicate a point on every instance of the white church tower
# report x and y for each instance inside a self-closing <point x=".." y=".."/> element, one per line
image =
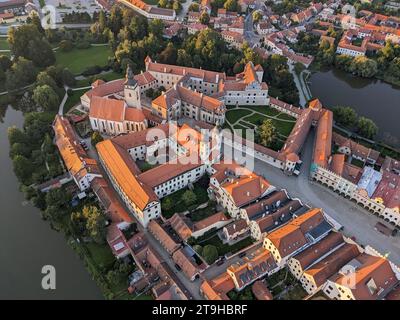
<point x="131" y="90"/>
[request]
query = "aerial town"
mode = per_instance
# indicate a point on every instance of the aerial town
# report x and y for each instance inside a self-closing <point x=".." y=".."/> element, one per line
<point x="194" y="163"/>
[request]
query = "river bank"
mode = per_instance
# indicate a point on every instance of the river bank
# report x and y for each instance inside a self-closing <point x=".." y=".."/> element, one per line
<point x="28" y="243"/>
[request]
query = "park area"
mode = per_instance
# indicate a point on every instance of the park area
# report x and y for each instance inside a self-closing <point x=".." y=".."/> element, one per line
<point x="78" y="60"/>
<point x="251" y="117"/>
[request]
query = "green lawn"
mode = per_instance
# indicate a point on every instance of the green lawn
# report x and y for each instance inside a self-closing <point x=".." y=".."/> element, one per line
<point x="284" y="128"/>
<point x="203" y="213"/>
<point x="101" y="254"/>
<point x="234" y="115"/>
<point x="357" y="163"/>
<point x="78" y="60"/>
<point x="4" y="44"/>
<point x="263" y="109"/>
<point x="105" y="76"/>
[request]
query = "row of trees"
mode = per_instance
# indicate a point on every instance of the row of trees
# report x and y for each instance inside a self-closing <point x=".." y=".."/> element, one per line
<point x="349" y="118"/>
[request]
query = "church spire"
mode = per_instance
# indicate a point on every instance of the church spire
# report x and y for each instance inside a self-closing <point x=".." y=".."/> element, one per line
<point x="130" y="79"/>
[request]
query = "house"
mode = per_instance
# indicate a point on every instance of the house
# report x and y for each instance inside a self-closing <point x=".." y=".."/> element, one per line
<point x="258" y="264"/>
<point x="186" y="263"/>
<point x="297" y="235"/>
<point x="261" y="291"/>
<point x="196" y="27"/>
<point x="161" y="235"/>
<point x="235" y="39"/>
<point x="217" y="288"/>
<point x="82" y="168"/>
<point x="365" y="277"/>
<point x="150" y="12"/>
<point x="235" y="229"/>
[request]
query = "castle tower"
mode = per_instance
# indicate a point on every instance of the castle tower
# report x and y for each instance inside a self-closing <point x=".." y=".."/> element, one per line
<point x="131" y="90"/>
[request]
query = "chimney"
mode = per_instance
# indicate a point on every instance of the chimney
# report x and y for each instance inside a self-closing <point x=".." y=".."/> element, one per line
<point x="248" y="193"/>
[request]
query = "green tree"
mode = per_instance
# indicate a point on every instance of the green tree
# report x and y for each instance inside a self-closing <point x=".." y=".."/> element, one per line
<point x="231" y="5"/>
<point x="194" y="7"/>
<point x="198" y="249"/>
<point x="156" y="27"/>
<point x="21" y="74"/>
<point x="95" y="223"/>
<point x="26" y="41"/>
<point x="66" y="45"/>
<point x="169" y="55"/>
<point x="347" y="116"/>
<point x="16" y="135"/>
<point x="45" y="97"/>
<point x="96" y="138"/>
<point x="364" y="67"/>
<point x="22" y="168"/>
<point x="257" y="16"/>
<point x="177" y="6"/>
<point x="210" y="253"/>
<point x="204" y="18"/>
<point x="367" y="128"/>
<point x="189" y="197"/>
<point x="267" y="133"/>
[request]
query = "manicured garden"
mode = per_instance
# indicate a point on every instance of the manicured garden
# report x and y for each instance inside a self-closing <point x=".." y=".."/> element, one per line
<point x="234" y="115"/>
<point x="283" y="127"/>
<point x="78" y="60"/>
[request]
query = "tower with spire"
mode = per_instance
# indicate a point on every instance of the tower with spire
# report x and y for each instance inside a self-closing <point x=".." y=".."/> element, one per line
<point x="131" y="89"/>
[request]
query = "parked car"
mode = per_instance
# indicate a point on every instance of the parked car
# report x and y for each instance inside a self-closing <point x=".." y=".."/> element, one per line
<point x="220" y="261"/>
<point x="242" y="254"/>
<point x="177" y="267"/>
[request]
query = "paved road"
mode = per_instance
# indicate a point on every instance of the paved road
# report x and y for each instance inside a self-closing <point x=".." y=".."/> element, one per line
<point x="356" y="221"/>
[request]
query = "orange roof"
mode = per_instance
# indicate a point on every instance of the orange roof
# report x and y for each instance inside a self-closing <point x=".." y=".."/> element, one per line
<point x="316" y="251"/>
<point x="75" y="158"/>
<point x="134" y="115"/>
<point x="187" y="264"/>
<point x="218" y="287"/>
<point x="162" y="236"/>
<point x="107" y="109"/>
<point x="246" y="189"/>
<point x="323" y="141"/>
<point x="120" y="166"/>
<point x="167" y="171"/>
<point x="209" y="221"/>
<point x="106" y="89"/>
<point x="249" y="74"/>
<point x="261" y="291"/>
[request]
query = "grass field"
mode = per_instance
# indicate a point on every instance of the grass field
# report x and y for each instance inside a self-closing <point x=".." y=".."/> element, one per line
<point x="105" y="76"/>
<point x="4" y="44"/>
<point x="282" y="127"/>
<point x="234" y="115"/>
<point x="78" y="60"/>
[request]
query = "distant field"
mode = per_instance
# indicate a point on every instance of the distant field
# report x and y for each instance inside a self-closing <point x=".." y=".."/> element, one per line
<point x="4" y="44"/>
<point x="78" y="60"/>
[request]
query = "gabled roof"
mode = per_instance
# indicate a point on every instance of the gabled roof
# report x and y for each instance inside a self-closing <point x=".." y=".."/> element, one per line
<point x="107" y="109"/>
<point x="124" y="171"/>
<point x="316" y="251"/>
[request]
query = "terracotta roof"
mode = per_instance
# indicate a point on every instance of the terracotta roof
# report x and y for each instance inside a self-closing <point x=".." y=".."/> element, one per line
<point x="187" y="264"/>
<point x="325" y="268"/>
<point x="208" y="76"/>
<point x="257" y="265"/>
<point x="107" y="109"/>
<point x="106" y="89"/>
<point x="374" y="277"/>
<point x="261" y="206"/>
<point x="316" y="251"/>
<point x="122" y="168"/>
<point x="75" y="158"/>
<point x="337" y="163"/>
<point x="246" y="189"/>
<point x="162" y="236"/>
<point x="236" y="226"/>
<point x="260" y="290"/>
<point x="323" y="141"/>
<point x="388" y="190"/>
<point x="144" y="137"/>
<point x="291" y="236"/>
<point x="298" y="135"/>
<point x="134" y="115"/>
<point x="209" y="221"/>
<point x="144" y="78"/>
<point x="110" y="201"/>
<point x="218" y="287"/>
<point x="182" y="225"/>
<point x="167" y="171"/>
